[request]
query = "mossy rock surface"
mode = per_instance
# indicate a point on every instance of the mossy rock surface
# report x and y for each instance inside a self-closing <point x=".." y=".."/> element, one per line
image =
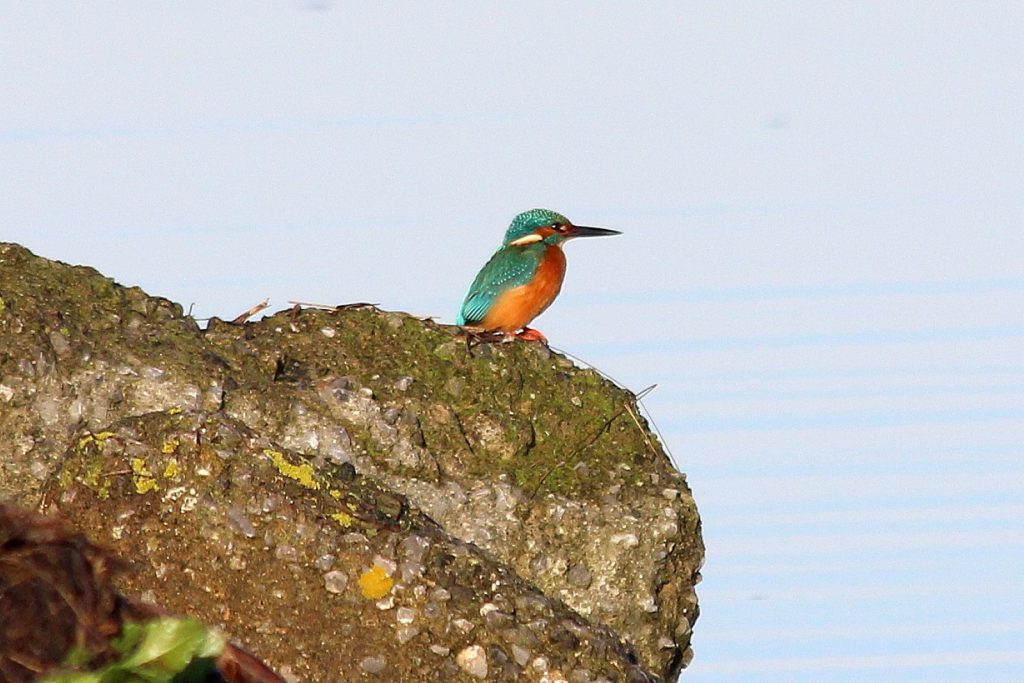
<point x="542" y="469"/>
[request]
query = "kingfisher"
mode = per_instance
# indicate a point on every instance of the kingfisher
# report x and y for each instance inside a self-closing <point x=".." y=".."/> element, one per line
<point x="523" y="277"/>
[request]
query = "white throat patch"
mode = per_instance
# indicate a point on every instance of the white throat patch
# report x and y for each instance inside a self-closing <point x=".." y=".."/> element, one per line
<point x="527" y="239"/>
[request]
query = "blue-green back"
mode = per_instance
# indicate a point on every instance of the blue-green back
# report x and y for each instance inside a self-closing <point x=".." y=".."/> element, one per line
<point x="509" y="267"/>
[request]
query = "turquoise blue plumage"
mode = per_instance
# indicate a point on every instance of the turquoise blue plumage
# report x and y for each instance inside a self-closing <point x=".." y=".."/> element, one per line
<point x="524" y="276"/>
<point x="509" y="267"/>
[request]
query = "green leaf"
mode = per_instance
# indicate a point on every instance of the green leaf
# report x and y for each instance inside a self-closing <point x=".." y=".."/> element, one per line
<point x="153" y="652"/>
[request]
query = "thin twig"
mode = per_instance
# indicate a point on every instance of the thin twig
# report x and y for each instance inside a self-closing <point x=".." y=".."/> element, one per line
<point x="115" y="473"/>
<point x="639" y="397"/>
<point x="251" y="312"/>
<point x="333" y="307"/>
<point x="326" y="307"/>
<point x="643" y="432"/>
<point x="597" y="434"/>
<point x="604" y="427"/>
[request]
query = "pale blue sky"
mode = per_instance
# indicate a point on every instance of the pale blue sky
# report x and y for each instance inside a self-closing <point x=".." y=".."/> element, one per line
<point x="822" y="266"/>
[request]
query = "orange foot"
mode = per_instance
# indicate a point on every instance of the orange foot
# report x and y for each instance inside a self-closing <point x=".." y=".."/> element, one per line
<point x="530" y="334"/>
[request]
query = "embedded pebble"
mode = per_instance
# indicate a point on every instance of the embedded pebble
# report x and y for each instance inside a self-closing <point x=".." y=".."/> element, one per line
<point x="239" y="522"/>
<point x="521" y="655"/>
<point x="403" y="383"/>
<point x="406" y="633"/>
<point x="288" y="553"/>
<point x="628" y="540"/>
<point x="335" y="581"/>
<point x="324" y="562"/>
<point x="328" y="332"/>
<point x="464" y="625"/>
<point x="373" y="665"/>
<point x="579" y="575"/>
<point x="531" y="604"/>
<point x="405" y="615"/>
<point x="355" y="537"/>
<point x="454" y="386"/>
<point x="440" y="650"/>
<point x="473" y="660"/>
<point x="497" y="619"/>
<point x="413" y="548"/>
<point x="387" y="565"/>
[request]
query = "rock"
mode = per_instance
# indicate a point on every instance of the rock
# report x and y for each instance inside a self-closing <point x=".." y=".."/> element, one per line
<point x="220" y="451"/>
<point x="61" y="615"/>
<point x="473" y="660"/>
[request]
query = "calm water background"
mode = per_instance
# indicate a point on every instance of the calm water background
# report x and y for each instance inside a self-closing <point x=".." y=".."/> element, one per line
<point x="822" y="266"/>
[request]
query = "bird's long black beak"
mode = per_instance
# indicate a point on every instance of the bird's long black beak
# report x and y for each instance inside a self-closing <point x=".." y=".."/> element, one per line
<point x="584" y="231"/>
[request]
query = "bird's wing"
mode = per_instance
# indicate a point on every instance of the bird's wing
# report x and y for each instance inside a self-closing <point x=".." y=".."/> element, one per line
<point x="509" y="267"/>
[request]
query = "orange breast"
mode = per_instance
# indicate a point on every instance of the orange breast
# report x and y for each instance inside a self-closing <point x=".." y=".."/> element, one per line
<point x="514" y="309"/>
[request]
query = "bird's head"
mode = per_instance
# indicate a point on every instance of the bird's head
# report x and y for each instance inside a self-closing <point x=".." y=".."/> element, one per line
<point x="542" y="225"/>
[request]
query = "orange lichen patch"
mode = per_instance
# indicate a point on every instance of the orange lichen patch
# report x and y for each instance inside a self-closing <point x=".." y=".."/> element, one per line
<point x="515" y="308"/>
<point x="375" y="583"/>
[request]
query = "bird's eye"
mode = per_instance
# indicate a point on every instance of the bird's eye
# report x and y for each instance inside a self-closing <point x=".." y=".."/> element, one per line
<point x="559" y="227"/>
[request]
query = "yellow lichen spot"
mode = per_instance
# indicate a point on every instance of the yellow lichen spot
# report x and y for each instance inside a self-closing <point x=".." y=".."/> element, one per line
<point x="375" y="583"/>
<point x="143" y="478"/>
<point x="301" y="473"/>
<point x="92" y="474"/>
<point x="343" y="519"/>
<point x="171" y="470"/>
<point x="335" y="494"/>
<point x="169" y="446"/>
<point x="173" y="411"/>
<point x="66" y="477"/>
<point x="89" y="438"/>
